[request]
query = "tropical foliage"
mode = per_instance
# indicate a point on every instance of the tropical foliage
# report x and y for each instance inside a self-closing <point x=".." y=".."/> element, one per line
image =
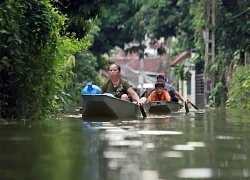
<point x="37" y="57"/>
<point x="117" y="27"/>
<point x="29" y="37"/>
<point x="187" y="20"/>
<point x="232" y="34"/>
<point x="239" y="93"/>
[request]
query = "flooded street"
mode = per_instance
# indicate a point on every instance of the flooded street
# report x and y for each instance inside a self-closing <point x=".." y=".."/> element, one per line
<point x="200" y="145"/>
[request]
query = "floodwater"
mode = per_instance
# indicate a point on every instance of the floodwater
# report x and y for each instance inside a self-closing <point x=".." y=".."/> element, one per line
<point x="212" y="144"/>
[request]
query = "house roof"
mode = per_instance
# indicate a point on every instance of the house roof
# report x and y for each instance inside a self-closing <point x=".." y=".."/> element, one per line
<point x="130" y="67"/>
<point x="151" y="64"/>
<point x="130" y="75"/>
<point x="182" y="56"/>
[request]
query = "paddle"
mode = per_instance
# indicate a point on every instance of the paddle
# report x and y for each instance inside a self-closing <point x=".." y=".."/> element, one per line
<point x="193" y="105"/>
<point x="141" y="107"/>
<point x="186" y="107"/>
<point x="143" y="112"/>
<point x="143" y="94"/>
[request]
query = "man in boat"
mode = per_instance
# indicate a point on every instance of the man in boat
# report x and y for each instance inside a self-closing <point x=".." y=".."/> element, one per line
<point x="118" y="86"/>
<point x="175" y="95"/>
<point x="159" y="94"/>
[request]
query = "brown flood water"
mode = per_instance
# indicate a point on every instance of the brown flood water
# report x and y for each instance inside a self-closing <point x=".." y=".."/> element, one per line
<point x="214" y="144"/>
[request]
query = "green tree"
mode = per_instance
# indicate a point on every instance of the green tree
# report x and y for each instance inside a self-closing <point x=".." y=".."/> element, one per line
<point x="36" y="58"/>
<point x="81" y="14"/>
<point x="232" y="21"/>
<point x="239" y="92"/>
<point x="116" y="28"/>
<point x="28" y="44"/>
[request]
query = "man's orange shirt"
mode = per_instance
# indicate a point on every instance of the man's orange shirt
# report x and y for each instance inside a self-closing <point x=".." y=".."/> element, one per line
<point x="154" y="97"/>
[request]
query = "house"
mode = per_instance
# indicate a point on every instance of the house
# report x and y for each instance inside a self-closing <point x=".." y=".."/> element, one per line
<point x="192" y="88"/>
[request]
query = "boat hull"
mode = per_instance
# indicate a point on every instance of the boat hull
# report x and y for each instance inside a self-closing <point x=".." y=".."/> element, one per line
<point x="162" y="107"/>
<point x="105" y="106"/>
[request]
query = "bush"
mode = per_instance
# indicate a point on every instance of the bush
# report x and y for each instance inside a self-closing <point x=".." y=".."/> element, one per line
<point x="239" y="92"/>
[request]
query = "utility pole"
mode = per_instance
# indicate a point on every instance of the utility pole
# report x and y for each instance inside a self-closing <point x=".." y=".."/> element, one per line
<point x="141" y="77"/>
<point x="209" y="47"/>
<point x="168" y="54"/>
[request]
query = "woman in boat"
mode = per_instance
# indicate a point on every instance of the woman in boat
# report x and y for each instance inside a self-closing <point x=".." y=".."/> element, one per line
<point x="159" y="94"/>
<point x="118" y="86"/>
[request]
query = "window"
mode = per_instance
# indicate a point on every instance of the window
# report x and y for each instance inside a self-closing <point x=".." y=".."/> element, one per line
<point x="189" y="86"/>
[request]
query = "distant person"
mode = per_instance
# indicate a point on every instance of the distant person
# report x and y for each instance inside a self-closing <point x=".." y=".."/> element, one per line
<point x="175" y="95"/>
<point x="118" y="86"/>
<point x="159" y="93"/>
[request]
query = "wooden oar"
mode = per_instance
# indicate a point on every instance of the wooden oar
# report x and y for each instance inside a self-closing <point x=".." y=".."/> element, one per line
<point x="143" y="94"/>
<point x="141" y="107"/>
<point x="143" y="112"/>
<point x="186" y="108"/>
<point x="193" y="105"/>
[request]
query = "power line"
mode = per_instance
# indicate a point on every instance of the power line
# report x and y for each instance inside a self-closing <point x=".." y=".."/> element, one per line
<point x="237" y="15"/>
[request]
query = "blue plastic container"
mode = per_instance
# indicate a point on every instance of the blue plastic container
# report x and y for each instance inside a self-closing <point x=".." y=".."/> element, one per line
<point x="91" y="89"/>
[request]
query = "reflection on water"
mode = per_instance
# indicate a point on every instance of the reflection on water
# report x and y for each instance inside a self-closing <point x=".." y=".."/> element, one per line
<point x="209" y="145"/>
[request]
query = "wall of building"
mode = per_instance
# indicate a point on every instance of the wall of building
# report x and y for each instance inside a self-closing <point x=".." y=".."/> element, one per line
<point x="187" y="88"/>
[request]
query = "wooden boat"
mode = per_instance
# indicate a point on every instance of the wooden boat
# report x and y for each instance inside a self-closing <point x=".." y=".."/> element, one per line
<point x="105" y="106"/>
<point x="162" y="107"/>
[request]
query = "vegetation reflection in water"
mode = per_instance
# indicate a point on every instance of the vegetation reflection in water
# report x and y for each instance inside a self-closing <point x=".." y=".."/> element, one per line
<point x="208" y="145"/>
<point x="41" y="150"/>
